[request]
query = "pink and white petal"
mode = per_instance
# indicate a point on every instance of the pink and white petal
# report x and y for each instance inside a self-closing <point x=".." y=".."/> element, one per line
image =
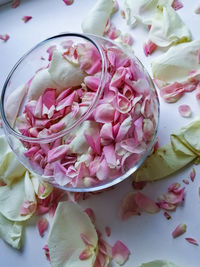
<point x="177" y="4"/>
<point x="106" y="132"/>
<point x="46" y="249"/>
<point x="68" y="2"/>
<point x="92" y="82"/>
<point x="50" y="51"/>
<point x="145" y="203"/>
<point x="67" y="101"/>
<point x="120" y="252"/>
<point x="103" y="171"/>
<point x="104" y="113"/>
<point x="128" y="207"/>
<point x="85" y="254"/>
<point x="121" y="103"/>
<point x="197" y="9"/>
<point x="192" y="174"/>
<point x="115" y="7"/>
<point x="4" y="37"/>
<point x="179" y="230"/>
<point x="26" y="18"/>
<point x="57" y="153"/>
<point x="185" y="111"/>
<point x="185" y="181"/>
<point x="42" y="225"/>
<point x="110" y="156"/>
<point x="149" y="48"/>
<point x="191" y="241"/>
<point x="174" y="187"/>
<point x="49" y="98"/>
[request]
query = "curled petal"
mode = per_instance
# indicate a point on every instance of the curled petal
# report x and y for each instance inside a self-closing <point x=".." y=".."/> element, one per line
<point x="120" y="252"/>
<point x="121" y="103"/>
<point x="104" y="113"/>
<point x="42" y="226"/>
<point x="92" y="82"/>
<point x="179" y="230"/>
<point x="185" y="111"/>
<point x="192" y="241"/>
<point x="145" y="203"/>
<point x="26" y="18"/>
<point x="149" y="48"/>
<point x="4" y="37"/>
<point x="67" y="101"/>
<point x="177" y="4"/>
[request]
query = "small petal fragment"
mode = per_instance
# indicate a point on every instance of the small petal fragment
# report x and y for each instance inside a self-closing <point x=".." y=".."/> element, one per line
<point x="4" y="37"/>
<point x="108" y="231"/>
<point x="26" y="18"/>
<point x="167" y="215"/>
<point x="192" y="174"/>
<point x="120" y="252"/>
<point x="42" y="226"/>
<point x="177" y="4"/>
<point x="15" y="3"/>
<point x="197" y="9"/>
<point x="179" y="230"/>
<point x="68" y="2"/>
<point x="192" y="241"/>
<point x="128" y="207"/>
<point x="185" y="111"/>
<point x="149" y="48"/>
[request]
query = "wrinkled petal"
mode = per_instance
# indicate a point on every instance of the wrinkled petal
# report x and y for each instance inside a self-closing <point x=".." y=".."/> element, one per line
<point x="145" y="203"/>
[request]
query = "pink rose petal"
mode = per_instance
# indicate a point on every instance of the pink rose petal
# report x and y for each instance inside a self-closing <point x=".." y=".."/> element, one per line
<point x="179" y="230"/>
<point x="85" y="254"/>
<point x="67" y="101"/>
<point x="46" y="249"/>
<point x="15" y="3"/>
<point x="42" y="226"/>
<point x="192" y="174"/>
<point x="185" y="111"/>
<point x="197" y="9"/>
<point x="149" y="48"/>
<point x="115" y="6"/>
<point x="177" y="4"/>
<point x="108" y="231"/>
<point x="192" y="241"/>
<point x="185" y="181"/>
<point x="104" y="113"/>
<point x="167" y="215"/>
<point x="110" y="156"/>
<point x="50" y="51"/>
<point x="113" y="32"/>
<point x="120" y="252"/>
<point x="139" y="185"/>
<point x="145" y="203"/>
<point x="57" y="153"/>
<point x="4" y="37"/>
<point x="49" y="98"/>
<point x="128" y="207"/>
<point x="26" y="18"/>
<point x="127" y="39"/>
<point x="68" y="2"/>
<point x="90" y="213"/>
<point x="85" y="240"/>
<point x="28" y="207"/>
<point x="174" y="187"/>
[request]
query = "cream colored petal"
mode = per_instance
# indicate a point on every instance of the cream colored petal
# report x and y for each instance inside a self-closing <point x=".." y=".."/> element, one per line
<point x="176" y="64"/>
<point x="38" y="184"/>
<point x="184" y="147"/>
<point x="167" y="26"/>
<point x="11" y="199"/>
<point x="11" y="232"/>
<point x="159" y="263"/>
<point x="41" y="81"/>
<point x="13" y="102"/>
<point x="139" y="10"/>
<point x="65" y="73"/>
<point x="96" y="19"/>
<point x="10" y="167"/>
<point x="64" y="241"/>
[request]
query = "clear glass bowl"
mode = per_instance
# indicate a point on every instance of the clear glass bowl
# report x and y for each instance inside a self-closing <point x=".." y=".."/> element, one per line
<point x="36" y="60"/>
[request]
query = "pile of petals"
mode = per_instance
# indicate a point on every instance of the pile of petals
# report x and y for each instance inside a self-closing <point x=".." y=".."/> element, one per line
<point x="115" y="135"/>
<point x="89" y="249"/>
<point x="164" y="23"/>
<point x="177" y="71"/>
<point x="172" y="198"/>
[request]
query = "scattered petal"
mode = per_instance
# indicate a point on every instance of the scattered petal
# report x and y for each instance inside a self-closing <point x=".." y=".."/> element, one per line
<point x="149" y="48"/>
<point x="192" y="241"/>
<point x="4" y="37"/>
<point x="177" y="4"/>
<point x="145" y="203"/>
<point x="185" y="111"/>
<point x="139" y="185"/>
<point x="42" y="226"/>
<point x="167" y="215"/>
<point x="120" y="252"/>
<point x="108" y="231"/>
<point x="185" y="181"/>
<point x="179" y="230"/>
<point x="26" y="18"/>
<point x="68" y="2"/>
<point x="197" y="9"/>
<point x="192" y="174"/>
<point x="90" y="213"/>
<point x="46" y="249"/>
<point x="128" y="207"/>
<point x="15" y="3"/>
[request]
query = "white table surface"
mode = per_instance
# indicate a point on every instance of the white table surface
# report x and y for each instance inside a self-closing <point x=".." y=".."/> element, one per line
<point x="147" y="236"/>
